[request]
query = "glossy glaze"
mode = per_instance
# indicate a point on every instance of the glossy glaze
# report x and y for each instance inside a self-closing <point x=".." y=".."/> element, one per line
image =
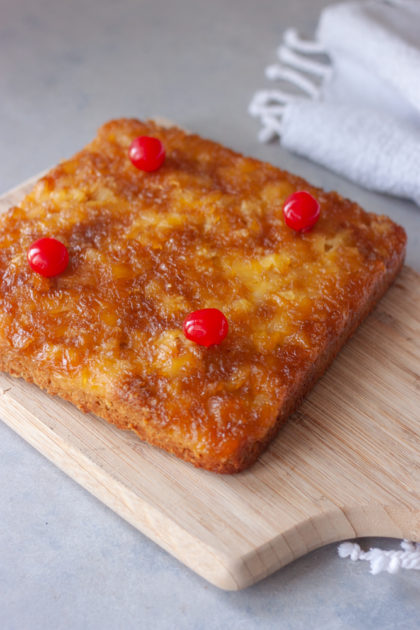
<point x="204" y="231"/>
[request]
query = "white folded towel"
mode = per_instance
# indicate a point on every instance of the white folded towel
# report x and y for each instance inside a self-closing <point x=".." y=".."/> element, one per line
<point x="357" y="113"/>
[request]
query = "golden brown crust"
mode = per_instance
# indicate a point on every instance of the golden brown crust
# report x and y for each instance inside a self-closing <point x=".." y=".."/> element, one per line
<point x="205" y="230"/>
<point x="249" y="453"/>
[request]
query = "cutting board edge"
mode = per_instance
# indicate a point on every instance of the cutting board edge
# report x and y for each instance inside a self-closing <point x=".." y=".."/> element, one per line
<point x="228" y="572"/>
<point x="210" y="563"/>
<point x="364" y="521"/>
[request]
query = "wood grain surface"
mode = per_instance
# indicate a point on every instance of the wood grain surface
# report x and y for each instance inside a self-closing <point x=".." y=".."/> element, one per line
<point x="346" y="464"/>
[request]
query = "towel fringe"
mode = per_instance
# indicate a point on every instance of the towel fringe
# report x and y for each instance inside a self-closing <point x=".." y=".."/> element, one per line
<point x="294" y="78"/>
<point x="380" y="560"/>
<point x="293" y="40"/>
<point x="295" y="54"/>
<point x="305" y="64"/>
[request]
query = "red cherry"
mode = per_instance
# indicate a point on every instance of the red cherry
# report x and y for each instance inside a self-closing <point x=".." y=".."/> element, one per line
<point x="147" y="153"/>
<point x="301" y="211"/>
<point x="48" y="257"/>
<point x="207" y="327"/>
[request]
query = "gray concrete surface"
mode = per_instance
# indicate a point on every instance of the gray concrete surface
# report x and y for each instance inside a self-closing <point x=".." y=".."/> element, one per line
<point x="66" y="561"/>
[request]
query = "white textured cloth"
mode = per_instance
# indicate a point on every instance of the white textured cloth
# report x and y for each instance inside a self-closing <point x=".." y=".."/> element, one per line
<point x="359" y="112"/>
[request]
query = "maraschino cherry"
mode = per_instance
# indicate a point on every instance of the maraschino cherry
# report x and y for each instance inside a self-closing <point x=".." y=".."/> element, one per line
<point x="301" y="211"/>
<point x="147" y="153"/>
<point x="207" y="327"/>
<point x="48" y="257"/>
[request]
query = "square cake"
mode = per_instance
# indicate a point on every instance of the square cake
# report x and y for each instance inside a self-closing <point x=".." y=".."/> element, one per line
<point x="146" y="249"/>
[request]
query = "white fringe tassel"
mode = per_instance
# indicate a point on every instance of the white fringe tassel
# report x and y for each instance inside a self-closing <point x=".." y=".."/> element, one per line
<point x="300" y="71"/>
<point x="380" y="560"/>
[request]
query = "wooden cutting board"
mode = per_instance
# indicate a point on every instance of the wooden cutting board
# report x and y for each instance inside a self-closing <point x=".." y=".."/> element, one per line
<point x="346" y="464"/>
